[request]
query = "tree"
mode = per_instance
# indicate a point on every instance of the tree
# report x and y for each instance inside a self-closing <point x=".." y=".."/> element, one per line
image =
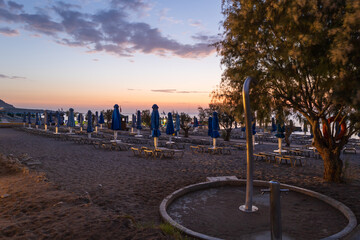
<point x="108" y="116"/>
<point x="226" y="116"/>
<point x="185" y="123"/>
<point x="146" y="117"/>
<point x="305" y="56"/>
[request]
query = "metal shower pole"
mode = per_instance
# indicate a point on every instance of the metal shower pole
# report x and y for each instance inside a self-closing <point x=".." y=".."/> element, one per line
<point x="248" y="207"/>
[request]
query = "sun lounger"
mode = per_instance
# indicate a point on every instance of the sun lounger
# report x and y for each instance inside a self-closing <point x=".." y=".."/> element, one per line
<point x="349" y="150"/>
<point x="136" y="151"/>
<point x="260" y="156"/>
<point x="216" y="150"/>
<point x="194" y="149"/>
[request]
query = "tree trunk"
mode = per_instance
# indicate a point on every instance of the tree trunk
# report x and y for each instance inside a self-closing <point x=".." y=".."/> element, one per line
<point x="332" y="164"/>
<point x="227" y="135"/>
<point x="186" y="132"/>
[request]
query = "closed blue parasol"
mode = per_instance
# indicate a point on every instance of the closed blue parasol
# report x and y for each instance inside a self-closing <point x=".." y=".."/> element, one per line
<point x="215" y="128"/>
<point x="155" y="121"/>
<point x="133" y="121"/>
<point x="280" y="135"/>
<point x="101" y="118"/>
<point x="71" y="120"/>
<point x="215" y="125"/>
<point x="97" y="119"/>
<point x="196" y="123"/>
<point x="116" y="119"/>
<point x="81" y="121"/>
<point x="210" y="127"/>
<point x="170" y="126"/>
<point x="61" y="119"/>
<point x="46" y="119"/>
<point x="37" y="121"/>
<point x="138" y="120"/>
<point x="253" y="128"/>
<point x="24" y="117"/>
<point x="29" y="118"/>
<point x="177" y="124"/>
<point x="58" y="119"/>
<point x="280" y="131"/>
<point x="273" y="125"/>
<point x="50" y="118"/>
<point x="89" y="122"/>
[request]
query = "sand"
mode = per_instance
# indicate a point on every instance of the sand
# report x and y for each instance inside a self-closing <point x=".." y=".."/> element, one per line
<point x="75" y="191"/>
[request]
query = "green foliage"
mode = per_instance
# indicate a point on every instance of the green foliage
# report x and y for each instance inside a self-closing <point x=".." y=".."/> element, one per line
<point x="146" y="117"/>
<point x="305" y="58"/>
<point x="108" y="115"/>
<point x="169" y="230"/>
<point x="185" y="121"/>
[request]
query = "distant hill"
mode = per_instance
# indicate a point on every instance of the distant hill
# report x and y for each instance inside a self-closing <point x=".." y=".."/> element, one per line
<point x="5" y="105"/>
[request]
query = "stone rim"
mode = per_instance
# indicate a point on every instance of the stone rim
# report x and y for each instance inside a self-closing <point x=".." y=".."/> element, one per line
<point x="204" y="185"/>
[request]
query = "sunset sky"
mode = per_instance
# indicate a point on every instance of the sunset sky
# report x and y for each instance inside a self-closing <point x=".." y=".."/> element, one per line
<point x="91" y="54"/>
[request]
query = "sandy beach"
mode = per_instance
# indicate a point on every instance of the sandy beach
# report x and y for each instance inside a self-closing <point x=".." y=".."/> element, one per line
<point x="64" y="190"/>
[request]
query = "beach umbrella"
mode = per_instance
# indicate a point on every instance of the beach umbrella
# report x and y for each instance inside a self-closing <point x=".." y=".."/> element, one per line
<point x="58" y="120"/>
<point x="61" y="119"/>
<point x="37" y="121"/>
<point x="170" y="126"/>
<point x="177" y="124"/>
<point x="29" y="119"/>
<point x="280" y="135"/>
<point x="210" y="127"/>
<point x="71" y="119"/>
<point x="133" y="122"/>
<point x="116" y="121"/>
<point x="50" y="119"/>
<point x="46" y="119"/>
<point x="80" y="120"/>
<point x="215" y="128"/>
<point x="196" y="123"/>
<point x="101" y="120"/>
<point x="24" y="118"/>
<point x="89" y="124"/>
<point x="155" y="124"/>
<point x="273" y="125"/>
<point x="138" y="124"/>
<point x="96" y="121"/>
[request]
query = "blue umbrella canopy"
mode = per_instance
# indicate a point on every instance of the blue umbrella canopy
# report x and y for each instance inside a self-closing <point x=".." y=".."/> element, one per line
<point x="97" y="119"/>
<point x="210" y="127"/>
<point x="280" y="131"/>
<point x="29" y="117"/>
<point x="24" y="117"/>
<point x="71" y="120"/>
<point x="89" y="125"/>
<point x="177" y="123"/>
<point x="37" y="121"/>
<point x="50" y="118"/>
<point x="253" y="127"/>
<point x="170" y="125"/>
<point x="155" y="121"/>
<point x="138" y="120"/>
<point x="273" y="125"/>
<point x="58" y="119"/>
<point x="196" y="123"/>
<point x="133" y="120"/>
<point x="215" y="126"/>
<point x="61" y="118"/>
<point x="101" y="119"/>
<point x="116" y="119"/>
<point x="80" y="119"/>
